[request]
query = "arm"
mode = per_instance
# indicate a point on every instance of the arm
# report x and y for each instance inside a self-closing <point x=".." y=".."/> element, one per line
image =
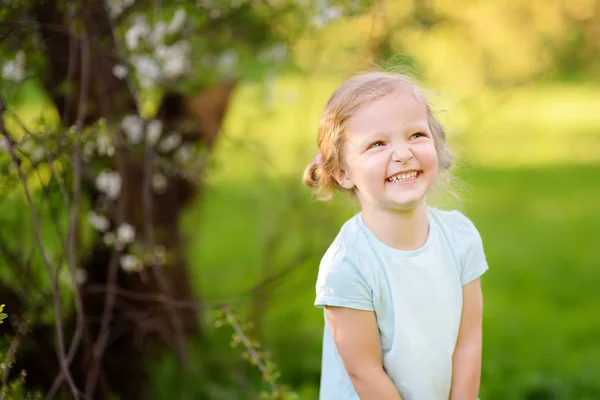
<point x="466" y="362"/>
<point x="356" y="337"/>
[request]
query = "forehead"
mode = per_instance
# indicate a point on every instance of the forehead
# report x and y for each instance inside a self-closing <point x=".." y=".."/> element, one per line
<point x="397" y="111"/>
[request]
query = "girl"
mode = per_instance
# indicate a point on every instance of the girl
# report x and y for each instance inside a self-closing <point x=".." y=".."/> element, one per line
<point x="400" y="283"/>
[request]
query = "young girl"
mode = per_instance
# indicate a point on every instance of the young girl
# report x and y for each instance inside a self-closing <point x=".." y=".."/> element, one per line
<point x="400" y="282"/>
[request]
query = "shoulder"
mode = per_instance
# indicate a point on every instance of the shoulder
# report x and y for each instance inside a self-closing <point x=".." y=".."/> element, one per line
<point x="464" y="241"/>
<point x="342" y="251"/>
<point x="346" y="252"/>
<point x="343" y="280"/>
<point x="455" y="224"/>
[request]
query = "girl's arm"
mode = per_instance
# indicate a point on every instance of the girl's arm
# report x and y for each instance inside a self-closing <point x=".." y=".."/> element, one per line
<point x="356" y="337"/>
<point x="466" y="363"/>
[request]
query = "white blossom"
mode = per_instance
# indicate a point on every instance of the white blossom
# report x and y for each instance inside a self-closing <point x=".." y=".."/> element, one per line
<point x="274" y="53"/>
<point x="147" y="69"/>
<point x="160" y="254"/>
<point x="332" y="13"/>
<point x="158" y="33"/>
<point x="103" y="143"/>
<point x="175" y="59"/>
<point x="161" y="51"/>
<point x="279" y="51"/>
<point x="116" y="7"/>
<point x="133" y="125"/>
<point x="170" y="142"/>
<point x="177" y="22"/>
<point x="120" y="71"/>
<point x="3" y="143"/>
<point x="88" y="149"/>
<point x="130" y="263"/>
<point x="37" y="155"/>
<point x="109" y="183"/>
<point x="227" y="61"/>
<point x="14" y="70"/>
<point x="125" y="233"/>
<point x="80" y="276"/>
<point x="139" y="28"/>
<point x="109" y="238"/>
<point x="184" y="154"/>
<point x="99" y="222"/>
<point x="159" y="182"/>
<point x="27" y="145"/>
<point x="153" y="131"/>
<point x="326" y="13"/>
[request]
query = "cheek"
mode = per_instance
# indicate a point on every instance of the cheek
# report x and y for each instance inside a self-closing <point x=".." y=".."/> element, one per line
<point x="429" y="157"/>
<point x="434" y="159"/>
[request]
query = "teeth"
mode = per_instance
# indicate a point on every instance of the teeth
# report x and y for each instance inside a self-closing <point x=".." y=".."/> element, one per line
<point x="403" y="177"/>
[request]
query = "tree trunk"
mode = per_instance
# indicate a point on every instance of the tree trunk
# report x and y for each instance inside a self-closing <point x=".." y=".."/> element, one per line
<point x="137" y="325"/>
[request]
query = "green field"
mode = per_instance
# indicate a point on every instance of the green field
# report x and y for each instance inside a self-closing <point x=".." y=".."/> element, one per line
<point x="541" y="325"/>
<point x="538" y="213"/>
<point x="529" y="172"/>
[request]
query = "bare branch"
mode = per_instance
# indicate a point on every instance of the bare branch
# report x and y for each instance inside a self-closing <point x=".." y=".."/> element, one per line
<point x="42" y="249"/>
<point x="22" y="329"/>
<point x="50" y="157"/>
<point x="154" y="298"/>
<point x="73" y="229"/>
<point x="250" y="348"/>
<point x="173" y="315"/>
<point x="109" y="300"/>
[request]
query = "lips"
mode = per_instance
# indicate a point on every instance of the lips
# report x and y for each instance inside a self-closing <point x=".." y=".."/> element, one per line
<point x="404" y="176"/>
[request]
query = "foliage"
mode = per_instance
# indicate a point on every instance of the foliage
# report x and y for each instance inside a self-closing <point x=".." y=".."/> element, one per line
<point x="67" y="175"/>
<point x="14" y="388"/>
<point x="255" y="236"/>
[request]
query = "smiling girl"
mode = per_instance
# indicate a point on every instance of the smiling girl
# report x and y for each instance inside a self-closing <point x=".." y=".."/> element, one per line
<point x="400" y="283"/>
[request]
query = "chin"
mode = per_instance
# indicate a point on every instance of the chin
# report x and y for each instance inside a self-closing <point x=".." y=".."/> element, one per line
<point x="407" y="206"/>
<point x="397" y="205"/>
<point x="404" y="204"/>
<point x="393" y="201"/>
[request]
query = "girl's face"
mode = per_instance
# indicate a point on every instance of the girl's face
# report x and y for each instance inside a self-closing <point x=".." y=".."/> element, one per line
<point x="389" y="155"/>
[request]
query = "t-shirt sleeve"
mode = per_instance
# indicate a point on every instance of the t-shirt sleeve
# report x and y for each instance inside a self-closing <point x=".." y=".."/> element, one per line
<point x="340" y="283"/>
<point x="472" y="258"/>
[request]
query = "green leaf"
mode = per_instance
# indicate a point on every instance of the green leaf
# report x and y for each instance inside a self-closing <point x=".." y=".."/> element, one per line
<point x="2" y="315"/>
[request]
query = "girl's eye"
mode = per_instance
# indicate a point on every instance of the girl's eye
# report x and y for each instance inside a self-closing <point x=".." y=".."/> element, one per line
<point x="375" y="144"/>
<point x="417" y="135"/>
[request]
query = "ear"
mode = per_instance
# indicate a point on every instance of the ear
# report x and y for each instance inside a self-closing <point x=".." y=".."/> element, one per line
<point x="343" y="179"/>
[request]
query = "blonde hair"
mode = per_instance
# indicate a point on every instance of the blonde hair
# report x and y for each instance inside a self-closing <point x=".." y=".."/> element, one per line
<point x="343" y="103"/>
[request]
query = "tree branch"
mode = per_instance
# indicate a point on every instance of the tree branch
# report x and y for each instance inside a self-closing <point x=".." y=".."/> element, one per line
<point x="159" y="276"/>
<point x="42" y="249"/>
<point x="73" y="210"/>
<point x="109" y="300"/>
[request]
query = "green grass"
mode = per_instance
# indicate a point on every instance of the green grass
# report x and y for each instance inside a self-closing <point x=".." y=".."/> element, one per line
<point x="529" y="182"/>
<point x="539" y="227"/>
<point x="532" y="169"/>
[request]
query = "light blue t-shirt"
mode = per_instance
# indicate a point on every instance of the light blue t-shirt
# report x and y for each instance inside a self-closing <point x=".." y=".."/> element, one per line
<point x="416" y="295"/>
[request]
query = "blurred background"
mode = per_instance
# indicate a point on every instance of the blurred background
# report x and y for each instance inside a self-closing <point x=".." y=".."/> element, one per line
<point x="156" y="241"/>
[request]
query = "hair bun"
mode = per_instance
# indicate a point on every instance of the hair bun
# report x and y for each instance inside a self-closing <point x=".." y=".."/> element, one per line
<point x="310" y="177"/>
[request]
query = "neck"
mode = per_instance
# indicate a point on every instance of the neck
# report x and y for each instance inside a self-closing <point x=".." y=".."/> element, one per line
<point x="400" y="229"/>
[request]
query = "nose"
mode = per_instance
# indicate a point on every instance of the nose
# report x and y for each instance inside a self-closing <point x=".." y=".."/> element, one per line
<point x="401" y="153"/>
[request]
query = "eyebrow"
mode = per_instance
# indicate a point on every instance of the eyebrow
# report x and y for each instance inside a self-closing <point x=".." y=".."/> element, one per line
<point x="412" y="128"/>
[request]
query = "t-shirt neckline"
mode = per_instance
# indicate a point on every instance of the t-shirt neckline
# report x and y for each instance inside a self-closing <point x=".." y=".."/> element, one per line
<point x="393" y="250"/>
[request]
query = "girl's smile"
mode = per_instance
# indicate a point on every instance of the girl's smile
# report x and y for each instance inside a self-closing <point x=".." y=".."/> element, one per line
<point x="404" y="177"/>
<point x="389" y="153"/>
